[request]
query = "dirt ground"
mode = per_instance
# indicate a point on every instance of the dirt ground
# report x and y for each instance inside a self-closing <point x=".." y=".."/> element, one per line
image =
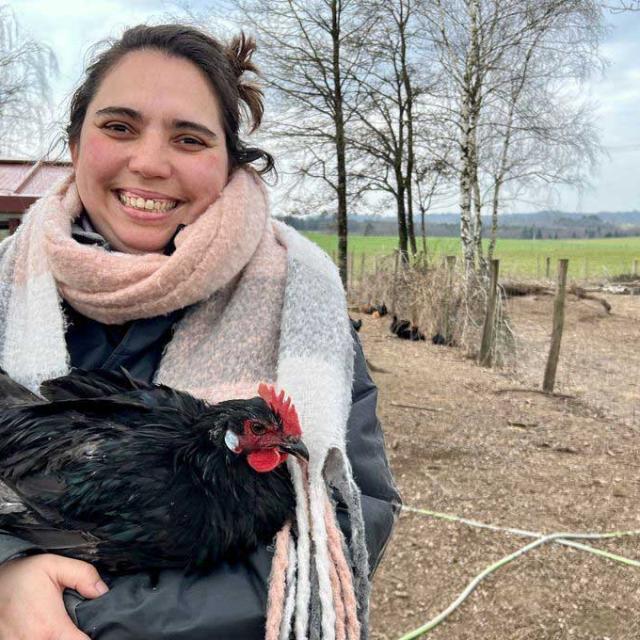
<point x="483" y="444"/>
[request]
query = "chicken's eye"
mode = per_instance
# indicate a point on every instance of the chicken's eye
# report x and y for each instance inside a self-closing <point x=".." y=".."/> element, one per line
<point x="258" y="429"/>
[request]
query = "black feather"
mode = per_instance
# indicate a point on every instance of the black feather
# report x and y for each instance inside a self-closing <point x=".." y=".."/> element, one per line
<point x="12" y="393"/>
<point x="99" y="383"/>
<point x="133" y="475"/>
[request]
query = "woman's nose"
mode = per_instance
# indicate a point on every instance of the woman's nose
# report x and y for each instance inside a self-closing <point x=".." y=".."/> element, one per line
<point x="150" y="157"/>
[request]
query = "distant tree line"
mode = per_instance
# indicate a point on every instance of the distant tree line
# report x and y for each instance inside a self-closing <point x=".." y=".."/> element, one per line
<point x="559" y="226"/>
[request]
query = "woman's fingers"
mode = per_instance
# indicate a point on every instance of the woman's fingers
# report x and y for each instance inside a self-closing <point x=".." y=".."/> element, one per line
<point x="76" y="574"/>
<point x="31" y="604"/>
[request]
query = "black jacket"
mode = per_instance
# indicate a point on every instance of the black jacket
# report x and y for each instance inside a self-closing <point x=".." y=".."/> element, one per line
<point x="229" y="602"/>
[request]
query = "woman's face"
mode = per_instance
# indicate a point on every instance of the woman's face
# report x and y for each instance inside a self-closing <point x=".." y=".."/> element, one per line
<point x="152" y="151"/>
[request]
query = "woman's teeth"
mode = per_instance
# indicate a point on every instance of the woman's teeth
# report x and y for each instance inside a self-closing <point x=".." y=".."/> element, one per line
<point x="145" y="204"/>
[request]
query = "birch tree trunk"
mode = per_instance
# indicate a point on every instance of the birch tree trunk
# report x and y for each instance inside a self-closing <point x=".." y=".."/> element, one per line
<point x="495" y="204"/>
<point x="476" y="193"/>
<point x="403" y="227"/>
<point x="468" y="121"/>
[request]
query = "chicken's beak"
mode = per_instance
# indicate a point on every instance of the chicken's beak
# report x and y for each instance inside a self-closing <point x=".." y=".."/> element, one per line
<point x="296" y="448"/>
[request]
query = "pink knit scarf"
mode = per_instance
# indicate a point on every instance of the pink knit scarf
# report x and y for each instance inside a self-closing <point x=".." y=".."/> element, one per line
<point x="114" y="287"/>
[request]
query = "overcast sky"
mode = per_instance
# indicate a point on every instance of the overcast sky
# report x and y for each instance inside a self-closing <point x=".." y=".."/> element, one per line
<point x="72" y="26"/>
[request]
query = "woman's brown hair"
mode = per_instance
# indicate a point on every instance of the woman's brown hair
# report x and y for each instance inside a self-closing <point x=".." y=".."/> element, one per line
<point x="223" y="66"/>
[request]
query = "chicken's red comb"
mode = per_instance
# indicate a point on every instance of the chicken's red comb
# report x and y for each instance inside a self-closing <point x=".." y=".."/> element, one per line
<point x="283" y="407"/>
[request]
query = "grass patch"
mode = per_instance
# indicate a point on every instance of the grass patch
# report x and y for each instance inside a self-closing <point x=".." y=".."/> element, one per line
<point x="588" y="259"/>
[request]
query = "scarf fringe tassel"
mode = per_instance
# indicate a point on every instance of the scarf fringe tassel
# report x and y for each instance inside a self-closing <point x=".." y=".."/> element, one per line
<point x="329" y="587"/>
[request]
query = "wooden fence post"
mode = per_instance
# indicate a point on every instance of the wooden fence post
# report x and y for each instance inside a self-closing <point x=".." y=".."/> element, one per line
<point x="488" y="334"/>
<point x="361" y="277"/>
<point x="635" y="268"/>
<point x="351" y="269"/>
<point x="585" y="275"/>
<point x="376" y="292"/>
<point x="394" y="290"/>
<point x="558" y="323"/>
<point x="548" y="268"/>
<point x="352" y="266"/>
<point x="446" y="325"/>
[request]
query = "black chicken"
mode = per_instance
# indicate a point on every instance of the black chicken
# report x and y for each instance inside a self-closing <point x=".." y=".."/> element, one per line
<point x="406" y="330"/>
<point x="133" y="475"/>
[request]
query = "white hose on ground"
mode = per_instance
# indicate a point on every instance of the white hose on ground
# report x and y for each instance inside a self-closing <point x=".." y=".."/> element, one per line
<point x="565" y="538"/>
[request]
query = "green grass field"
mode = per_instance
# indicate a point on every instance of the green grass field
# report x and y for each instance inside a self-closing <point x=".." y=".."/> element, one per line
<point x="588" y="259"/>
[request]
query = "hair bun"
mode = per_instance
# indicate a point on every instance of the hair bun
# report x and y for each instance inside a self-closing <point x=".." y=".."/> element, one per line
<point x="238" y="52"/>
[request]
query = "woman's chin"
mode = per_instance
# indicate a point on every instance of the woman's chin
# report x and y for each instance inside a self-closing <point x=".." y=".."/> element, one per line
<point x="141" y="242"/>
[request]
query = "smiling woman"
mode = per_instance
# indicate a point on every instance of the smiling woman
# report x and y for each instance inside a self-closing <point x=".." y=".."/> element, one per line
<point x="159" y="256"/>
<point x="151" y="154"/>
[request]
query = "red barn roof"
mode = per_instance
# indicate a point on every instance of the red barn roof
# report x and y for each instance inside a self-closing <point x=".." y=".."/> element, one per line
<point x="22" y="182"/>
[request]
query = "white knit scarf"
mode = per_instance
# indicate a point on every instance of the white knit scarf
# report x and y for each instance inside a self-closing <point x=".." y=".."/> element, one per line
<point x="313" y="362"/>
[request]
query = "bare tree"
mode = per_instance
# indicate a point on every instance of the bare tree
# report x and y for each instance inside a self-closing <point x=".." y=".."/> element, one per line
<point x="622" y="5"/>
<point x="309" y="67"/>
<point x="343" y="85"/>
<point x="432" y="179"/>
<point x="486" y="48"/>
<point x="453" y="26"/>
<point x="25" y="96"/>
<point x="382" y="131"/>
<point x="534" y="129"/>
<point x="373" y="96"/>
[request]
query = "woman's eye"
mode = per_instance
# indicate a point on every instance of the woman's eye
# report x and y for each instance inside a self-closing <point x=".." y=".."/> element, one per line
<point x="190" y="141"/>
<point x="116" y="127"/>
<point x="258" y="429"/>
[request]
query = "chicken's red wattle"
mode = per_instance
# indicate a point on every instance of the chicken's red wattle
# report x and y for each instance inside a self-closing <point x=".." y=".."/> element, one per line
<point x="265" y="460"/>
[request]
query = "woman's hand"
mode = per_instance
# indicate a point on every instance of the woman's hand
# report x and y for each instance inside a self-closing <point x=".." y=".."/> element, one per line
<point x="31" y="606"/>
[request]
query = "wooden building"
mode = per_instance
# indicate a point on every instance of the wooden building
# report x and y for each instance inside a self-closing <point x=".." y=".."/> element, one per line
<point x="22" y="182"/>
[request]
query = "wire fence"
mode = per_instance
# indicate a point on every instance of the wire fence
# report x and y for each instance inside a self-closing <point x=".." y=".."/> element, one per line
<point x="590" y="367"/>
<point x="542" y="268"/>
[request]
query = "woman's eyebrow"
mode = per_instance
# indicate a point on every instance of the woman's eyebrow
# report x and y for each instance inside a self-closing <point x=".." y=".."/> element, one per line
<point x="120" y="111"/>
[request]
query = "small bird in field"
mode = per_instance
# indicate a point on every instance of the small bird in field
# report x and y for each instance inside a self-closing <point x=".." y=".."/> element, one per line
<point x="134" y="476"/>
